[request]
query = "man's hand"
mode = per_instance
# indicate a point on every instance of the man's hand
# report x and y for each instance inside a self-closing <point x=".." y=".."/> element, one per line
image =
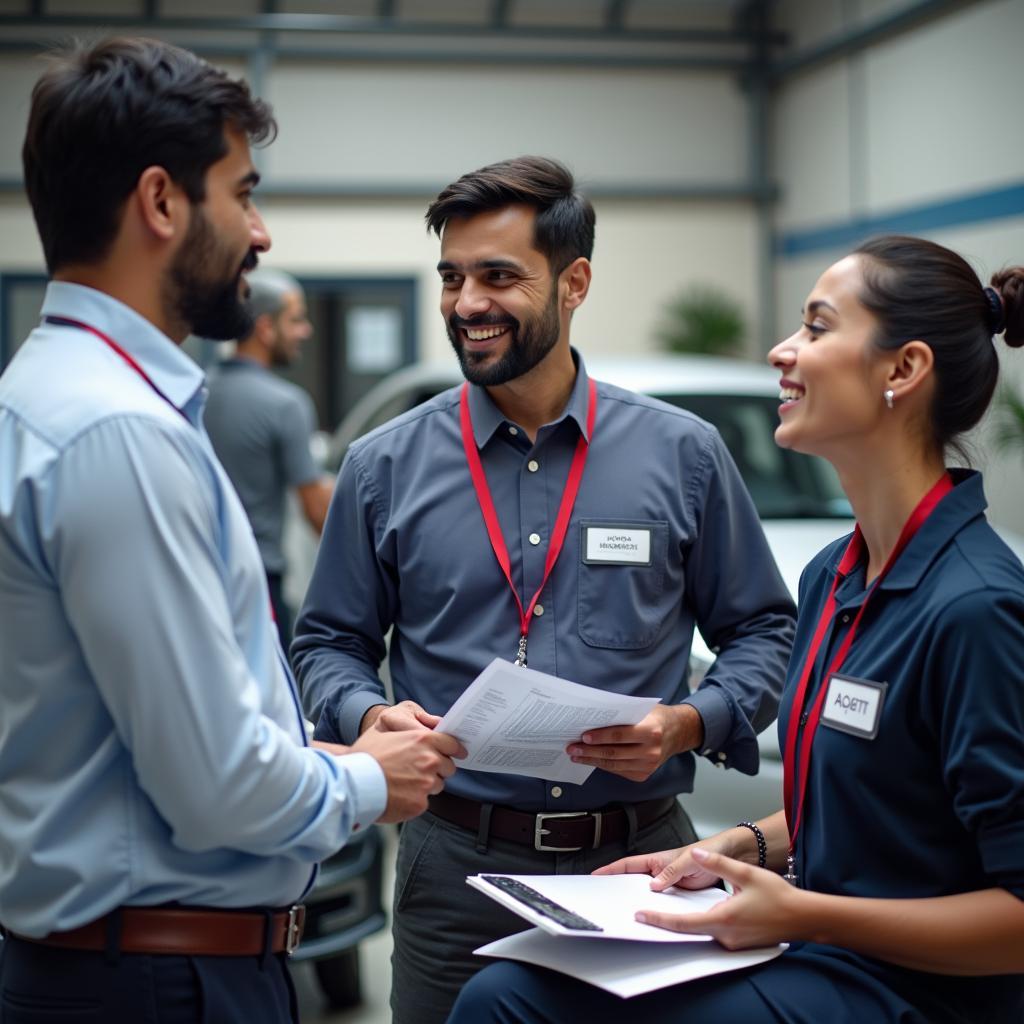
<point x="636" y="751"/>
<point x="415" y="761"/>
<point x="406" y="715"/>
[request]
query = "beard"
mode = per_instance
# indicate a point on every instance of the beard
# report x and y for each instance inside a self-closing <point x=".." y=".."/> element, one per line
<point x="200" y="292"/>
<point x="530" y="341"/>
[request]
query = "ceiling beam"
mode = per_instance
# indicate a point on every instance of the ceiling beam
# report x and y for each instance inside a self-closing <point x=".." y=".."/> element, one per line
<point x="363" y="55"/>
<point x="350" y="24"/>
<point x="340" y="191"/>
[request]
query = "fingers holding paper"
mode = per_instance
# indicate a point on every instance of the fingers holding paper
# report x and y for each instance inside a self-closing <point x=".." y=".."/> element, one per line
<point x="415" y="761"/>
<point x="640" y="864"/>
<point x="674" y="867"/>
<point x="637" y="751"/>
<point x="762" y="910"/>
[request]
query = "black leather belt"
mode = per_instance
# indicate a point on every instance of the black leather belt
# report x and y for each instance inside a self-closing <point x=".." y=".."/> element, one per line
<point x="550" y="831"/>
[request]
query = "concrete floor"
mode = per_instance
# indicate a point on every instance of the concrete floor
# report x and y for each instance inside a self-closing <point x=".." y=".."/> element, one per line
<point x="374" y="963"/>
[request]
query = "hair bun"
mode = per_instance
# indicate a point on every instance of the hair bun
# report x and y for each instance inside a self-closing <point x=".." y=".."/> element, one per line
<point x="1008" y="285"/>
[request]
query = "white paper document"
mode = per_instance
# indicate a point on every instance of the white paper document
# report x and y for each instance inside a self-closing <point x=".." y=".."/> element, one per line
<point x="625" y="968"/>
<point x="608" y="901"/>
<point x="518" y="721"/>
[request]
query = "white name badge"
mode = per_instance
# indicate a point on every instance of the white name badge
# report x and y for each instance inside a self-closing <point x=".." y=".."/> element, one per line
<point x="617" y="545"/>
<point x="854" y="705"/>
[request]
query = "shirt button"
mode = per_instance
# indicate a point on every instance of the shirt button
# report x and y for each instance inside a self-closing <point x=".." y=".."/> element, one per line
<point x="538" y="609"/>
<point x="556" y="790"/>
<point x="513" y="431"/>
<point x="534" y="538"/>
<point x="533" y="465"/>
<point x="721" y="756"/>
<point x="845" y="618"/>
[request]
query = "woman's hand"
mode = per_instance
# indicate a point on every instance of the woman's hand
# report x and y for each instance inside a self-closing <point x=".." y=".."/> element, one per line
<point x="763" y="910"/>
<point x="676" y="867"/>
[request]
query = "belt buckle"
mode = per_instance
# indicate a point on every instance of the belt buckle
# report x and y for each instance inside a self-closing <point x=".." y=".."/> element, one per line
<point x="293" y="929"/>
<point x="539" y="831"/>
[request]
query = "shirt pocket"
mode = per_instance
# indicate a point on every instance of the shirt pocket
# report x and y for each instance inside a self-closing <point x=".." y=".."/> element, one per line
<point x="624" y="606"/>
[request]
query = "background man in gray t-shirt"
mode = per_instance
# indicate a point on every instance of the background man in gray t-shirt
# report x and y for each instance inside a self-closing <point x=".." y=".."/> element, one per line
<point x="260" y="425"/>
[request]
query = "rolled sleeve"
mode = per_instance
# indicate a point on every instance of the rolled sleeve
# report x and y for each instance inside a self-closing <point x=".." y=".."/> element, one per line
<point x="716" y="714"/>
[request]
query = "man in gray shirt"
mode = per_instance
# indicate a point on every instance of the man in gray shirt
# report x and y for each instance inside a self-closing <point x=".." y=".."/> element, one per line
<point x="260" y="425"/>
<point x="660" y="536"/>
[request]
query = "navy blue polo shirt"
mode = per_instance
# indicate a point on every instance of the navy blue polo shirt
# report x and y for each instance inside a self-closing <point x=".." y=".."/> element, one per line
<point x="934" y="803"/>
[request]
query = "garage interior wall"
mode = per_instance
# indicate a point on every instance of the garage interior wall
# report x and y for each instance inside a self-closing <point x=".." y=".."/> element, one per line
<point x="915" y="135"/>
<point x="910" y="133"/>
<point x="411" y="130"/>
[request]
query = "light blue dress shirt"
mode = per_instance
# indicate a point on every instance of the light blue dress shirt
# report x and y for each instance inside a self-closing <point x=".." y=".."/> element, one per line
<point x="405" y="548"/>
<point x="152" y="747"/>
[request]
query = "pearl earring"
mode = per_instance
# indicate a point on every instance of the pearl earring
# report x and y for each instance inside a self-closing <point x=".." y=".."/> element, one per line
<point x="888" y="395"/>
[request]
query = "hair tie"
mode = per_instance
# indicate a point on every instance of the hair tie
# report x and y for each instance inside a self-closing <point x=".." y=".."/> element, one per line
<point x="996" y="313"/>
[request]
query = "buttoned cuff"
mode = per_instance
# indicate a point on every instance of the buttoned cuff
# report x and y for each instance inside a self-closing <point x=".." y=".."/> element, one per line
<point x="351" y="714"/>
<point x="367" y="786"/>
<point x="1000" y="848"/>
<point x="716" y="715"/>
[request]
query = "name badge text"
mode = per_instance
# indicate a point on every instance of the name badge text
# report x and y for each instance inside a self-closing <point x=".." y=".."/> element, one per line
<point x="617" y="545"/>
<point x="854" y="705"/>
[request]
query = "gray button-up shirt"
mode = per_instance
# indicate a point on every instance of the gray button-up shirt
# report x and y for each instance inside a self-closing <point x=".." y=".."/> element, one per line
<point x="405" y="547"/>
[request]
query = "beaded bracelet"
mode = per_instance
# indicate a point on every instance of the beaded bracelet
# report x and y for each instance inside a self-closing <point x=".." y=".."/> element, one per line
<point x="762" y="846"/>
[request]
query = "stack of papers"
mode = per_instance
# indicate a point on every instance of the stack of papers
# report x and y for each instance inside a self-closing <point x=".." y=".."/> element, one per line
<point x="586" y="928"/>
<point x="518" y="721"/>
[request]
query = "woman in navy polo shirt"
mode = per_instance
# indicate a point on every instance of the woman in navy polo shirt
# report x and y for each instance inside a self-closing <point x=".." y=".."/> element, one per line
<point x="896" y="870"/>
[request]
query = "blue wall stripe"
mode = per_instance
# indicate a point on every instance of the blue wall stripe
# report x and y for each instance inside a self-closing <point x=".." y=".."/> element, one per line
<point x="993" y="204"/>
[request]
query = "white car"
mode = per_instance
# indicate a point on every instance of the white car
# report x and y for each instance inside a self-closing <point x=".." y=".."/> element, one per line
<point x="798" y="498"/>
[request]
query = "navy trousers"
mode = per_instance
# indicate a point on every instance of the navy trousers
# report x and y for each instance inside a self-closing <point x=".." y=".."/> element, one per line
<point x="46" y="985"/>
<point x="807" y="985"/>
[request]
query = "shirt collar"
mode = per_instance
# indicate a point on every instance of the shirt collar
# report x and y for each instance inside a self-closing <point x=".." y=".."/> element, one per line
<point x="958" y="508"/>
<point x="487" y="417"/>
<point x="164" y="362"/>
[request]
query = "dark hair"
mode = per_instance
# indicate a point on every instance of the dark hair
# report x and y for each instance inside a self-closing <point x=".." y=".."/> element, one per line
<point x="920" y="290"/>
<point x="102" y="114"/>
<point x="564" y="225"/>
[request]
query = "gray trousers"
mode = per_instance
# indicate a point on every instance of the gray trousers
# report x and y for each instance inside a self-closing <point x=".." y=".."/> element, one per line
<point x="439" y="920"/>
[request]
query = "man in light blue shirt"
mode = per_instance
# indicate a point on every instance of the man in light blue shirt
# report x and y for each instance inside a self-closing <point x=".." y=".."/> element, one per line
<point x="160" y="809"/>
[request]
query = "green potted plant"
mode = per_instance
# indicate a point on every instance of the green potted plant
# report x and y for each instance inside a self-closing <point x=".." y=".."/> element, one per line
<point x="702" y="319"/>
<point x="1008" y="421"/>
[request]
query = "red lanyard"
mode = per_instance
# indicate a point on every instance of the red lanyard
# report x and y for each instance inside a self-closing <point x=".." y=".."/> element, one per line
<point x="64" y="321"/>
<point x="483" y="494"/>
<point x="854" y="550"/>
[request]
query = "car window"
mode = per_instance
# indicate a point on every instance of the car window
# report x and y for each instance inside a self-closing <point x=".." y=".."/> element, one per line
<point x="784" y="484"/>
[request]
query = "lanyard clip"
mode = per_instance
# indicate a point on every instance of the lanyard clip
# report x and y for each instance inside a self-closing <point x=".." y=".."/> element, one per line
<point x="520" y="661"/>
<point x="790" y="875"/>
